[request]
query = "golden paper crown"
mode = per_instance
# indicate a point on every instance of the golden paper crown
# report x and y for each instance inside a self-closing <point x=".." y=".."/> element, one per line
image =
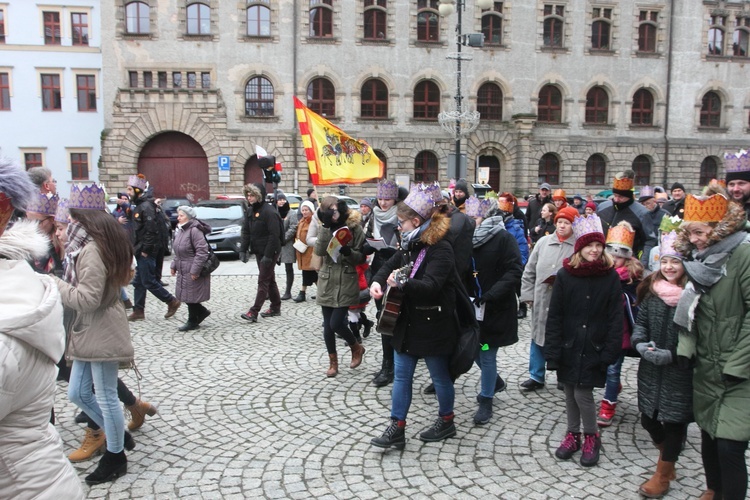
<point x="558" y="193"/>
<point x="622" y="183"/>
<point x="621" y="236"/>
<point x="505" y="206"/>
<point x="711" y="209"/>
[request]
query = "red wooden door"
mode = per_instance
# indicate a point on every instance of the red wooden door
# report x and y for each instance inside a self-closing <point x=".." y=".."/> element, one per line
<point x="176" y="166"/>
<point x="252" y="171"/>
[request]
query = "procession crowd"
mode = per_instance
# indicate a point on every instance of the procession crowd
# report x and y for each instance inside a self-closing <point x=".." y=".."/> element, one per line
<point x="662" y="278"/>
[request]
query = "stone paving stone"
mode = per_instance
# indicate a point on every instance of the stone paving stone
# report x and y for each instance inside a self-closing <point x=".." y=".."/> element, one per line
<point x="245" y="411"/>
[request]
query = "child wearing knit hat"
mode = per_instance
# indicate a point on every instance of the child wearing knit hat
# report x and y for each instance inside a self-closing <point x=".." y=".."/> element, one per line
<point x="585" y="316"/>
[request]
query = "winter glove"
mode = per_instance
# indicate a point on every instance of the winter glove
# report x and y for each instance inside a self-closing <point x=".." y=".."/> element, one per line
<point x="367" y="249"/>
<point x="244" y="257"/>
<point x="346" y="251"/>
<point x="266" y="262"/>
<point x="659" y="357"/>
<point x="552" y="365"/>
<point x="641" y="348"/>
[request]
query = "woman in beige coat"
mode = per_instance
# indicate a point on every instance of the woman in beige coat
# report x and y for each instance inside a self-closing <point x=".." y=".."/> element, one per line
<point x="97" y="264"/>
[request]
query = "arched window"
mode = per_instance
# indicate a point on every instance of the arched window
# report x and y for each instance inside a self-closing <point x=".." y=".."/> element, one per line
<point x="716" y="29"/>
<point x="198" y="19"/>
<point x="600" y="28"/>
<point x="709" y="170"/>
<point x="642" y="169"/>
<point x="741" y="38"/>
<point x="426" y="101"/>
<point x="490" y="102"/>
<point x="549" y="169"/>
<point x="596" y="167"/>
<point x="321" y="97"/>
<point x="597" y="105"/>
<point x="492" y="24"/>
<point x="549" y="109"/>
<point x="711" y="110"/>
<point x="428" y="21"/>
<point x="381" y="156"/>
<point x="258" y="18"/>
<point x="137" y="18"/>
<point x="321" y="18"/>
<point x="425" y="167"/>
<point x="374" y="99"/>
<point x="375" y="19"/>
<point x="553" y="25"/>
<point x="642" y="112"/>
<point x="258" y="97"/>
<point x="647" y="25"/>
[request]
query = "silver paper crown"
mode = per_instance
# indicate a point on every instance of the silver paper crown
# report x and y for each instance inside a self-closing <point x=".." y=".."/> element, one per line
<point x="137" y="182"/>
<point x="43" y="203"/>
<point x="666" y="245"/>
<point x="387" y="190"/>
<point x="61" y="215"/>
<point x="87" y="197"/>
<point x="583" y="225"/>
<point x="422" y="199"/>
<point x="737" y="162"/>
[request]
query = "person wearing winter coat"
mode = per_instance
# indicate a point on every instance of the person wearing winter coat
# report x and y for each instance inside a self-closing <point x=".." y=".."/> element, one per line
<point x="655" y="212"/>
<point x="497" y="270"/>
<point x="32" y="340"/>
<point x="261" y="237"/>
<point x="584" y="334"/>
<point x="545" y="224"/>
<point x="306" y="233"/>
<point x="536" y="202"/>
<point x="190" y="250"/>
<point x="676" y="205"/>
<point x="97" y="264"/>
<point x="515" y="225"/>
<point x="288" y="254"/>
<point x="665" y="390"/>
<point x="338" y="283"/>
<point x="426" y="327"/>
<point x="536" y="288"/>
<point x="714" y="310"/>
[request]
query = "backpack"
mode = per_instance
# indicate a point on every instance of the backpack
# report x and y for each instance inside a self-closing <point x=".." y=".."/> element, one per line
<point x="163" y="226"/>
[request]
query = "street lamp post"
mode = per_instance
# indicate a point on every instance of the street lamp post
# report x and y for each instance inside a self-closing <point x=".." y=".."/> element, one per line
<point x="460" y="121"/>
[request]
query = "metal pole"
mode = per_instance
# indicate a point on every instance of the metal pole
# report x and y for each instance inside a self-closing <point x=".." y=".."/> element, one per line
<point x="459" y="170"/>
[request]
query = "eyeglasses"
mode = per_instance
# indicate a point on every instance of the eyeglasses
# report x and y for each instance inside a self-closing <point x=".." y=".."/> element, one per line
<point x="401" y="222"/>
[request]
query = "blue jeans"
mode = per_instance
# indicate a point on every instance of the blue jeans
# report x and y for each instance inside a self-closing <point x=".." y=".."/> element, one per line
<point x="403" y="377"/>
<point x="104" y="406"/>
<point x="536" y="363"/>
<point x="145" y="279"/>
<point x="612" y="387"/>
<point x="487" y="362"/>
<point x="123" y="294"/>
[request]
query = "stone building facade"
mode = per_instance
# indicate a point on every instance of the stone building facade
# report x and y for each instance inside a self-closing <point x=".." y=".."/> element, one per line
<point x="571" y="91"/>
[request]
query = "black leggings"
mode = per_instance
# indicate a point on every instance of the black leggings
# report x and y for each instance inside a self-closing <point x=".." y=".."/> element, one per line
<point x="336" y="322"/>
<point x="670" y="435"/>
<point x="724" y="463"/>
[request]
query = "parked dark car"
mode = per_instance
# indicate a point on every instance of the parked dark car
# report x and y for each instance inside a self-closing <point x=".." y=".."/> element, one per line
<point x="225" y="218"/>
<point x="169" y="205"/>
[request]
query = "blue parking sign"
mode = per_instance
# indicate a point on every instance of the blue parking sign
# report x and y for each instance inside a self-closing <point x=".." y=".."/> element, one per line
<point x="224" y="163"/>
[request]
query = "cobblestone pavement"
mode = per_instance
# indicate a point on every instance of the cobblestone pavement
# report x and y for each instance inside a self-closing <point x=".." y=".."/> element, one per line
<point x="245" y="411"/>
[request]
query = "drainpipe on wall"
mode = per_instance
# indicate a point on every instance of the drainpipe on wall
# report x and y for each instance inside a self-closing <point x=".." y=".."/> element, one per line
<point x="295" y="137"/>
<point x="669" y="92"/>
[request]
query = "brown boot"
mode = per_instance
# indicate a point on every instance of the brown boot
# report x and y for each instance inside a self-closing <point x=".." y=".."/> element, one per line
<point x="358" y="351"/>
<point x="137" y="315"/>
<point x="333" y="369"/>
<point x="172" y="308"/>
<point x="93" y="443"/>
<point x="138" y="412"/>
<point x="709" y="494"/>
<point x="658" y="485"/>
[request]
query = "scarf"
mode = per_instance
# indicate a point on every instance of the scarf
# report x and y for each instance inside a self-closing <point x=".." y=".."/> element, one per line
<point x="668" y="292"/>
<point x="410" y="238"/>
<point x="487" y="229"/>
<point x="283" y="210"/>
<point x="78" y="238"/>
<point x="586" y="268"/>
<point x="382" y="218"/>
<point x="707" y="267"/>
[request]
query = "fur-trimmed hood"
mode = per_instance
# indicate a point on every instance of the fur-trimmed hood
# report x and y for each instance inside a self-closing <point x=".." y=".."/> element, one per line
<point x="734" y="220"/>
<point x="23" y="241"/>
<point x="354" y="219"/>
<point x="438" y="229"/>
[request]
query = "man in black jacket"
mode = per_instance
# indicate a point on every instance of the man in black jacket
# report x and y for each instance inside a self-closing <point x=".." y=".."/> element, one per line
<point x="148" y="229"/>
<point x="676" y="206"/>
<point x="261" y="236"/>
<point x="536" y="202"/>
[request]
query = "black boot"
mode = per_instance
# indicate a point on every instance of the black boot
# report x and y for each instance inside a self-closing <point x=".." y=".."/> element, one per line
<point x="393" y="437"/>
<point x="189" y="325"/>
<point x="300" y="296"/>
<point x="385" y="376"/>
<point x="288" y="292"/>
<point x="111" y="466"/>
<point x="521" y="310"/>
<point x="354" y="327"/>
<point x="129" y="442"/>
<point x="367" y="324"/>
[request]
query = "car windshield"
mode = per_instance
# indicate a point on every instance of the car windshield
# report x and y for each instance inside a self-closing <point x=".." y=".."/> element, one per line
<point x="170" y="204"/>
<point x="219" y="214"/>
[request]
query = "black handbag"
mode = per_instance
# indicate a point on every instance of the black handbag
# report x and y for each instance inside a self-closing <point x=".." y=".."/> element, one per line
<point x="212" y="262"/>
<point x="468" y="343"/>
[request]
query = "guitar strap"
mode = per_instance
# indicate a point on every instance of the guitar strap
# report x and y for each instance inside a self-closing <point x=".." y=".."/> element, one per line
<point x="476" y="278"/>
<point x="418" y="262"/>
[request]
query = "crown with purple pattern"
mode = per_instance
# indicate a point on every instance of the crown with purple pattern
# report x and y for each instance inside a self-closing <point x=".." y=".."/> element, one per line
<point x="43" y="203"/>
<point x="87" y="197"/>
<point x="422" y="199"/>
<point x="137" y="181"/>
<point x="587" y="230"/>
<point x="387" y="190"/>
<point x="666" y="246"/>
<point x="61" y="215"/>
<point x="737" y="165"/>
<point x="473" y="207"/>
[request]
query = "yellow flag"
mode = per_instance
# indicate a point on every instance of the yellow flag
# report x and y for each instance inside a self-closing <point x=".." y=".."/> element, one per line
<point x="333" y="157"/>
